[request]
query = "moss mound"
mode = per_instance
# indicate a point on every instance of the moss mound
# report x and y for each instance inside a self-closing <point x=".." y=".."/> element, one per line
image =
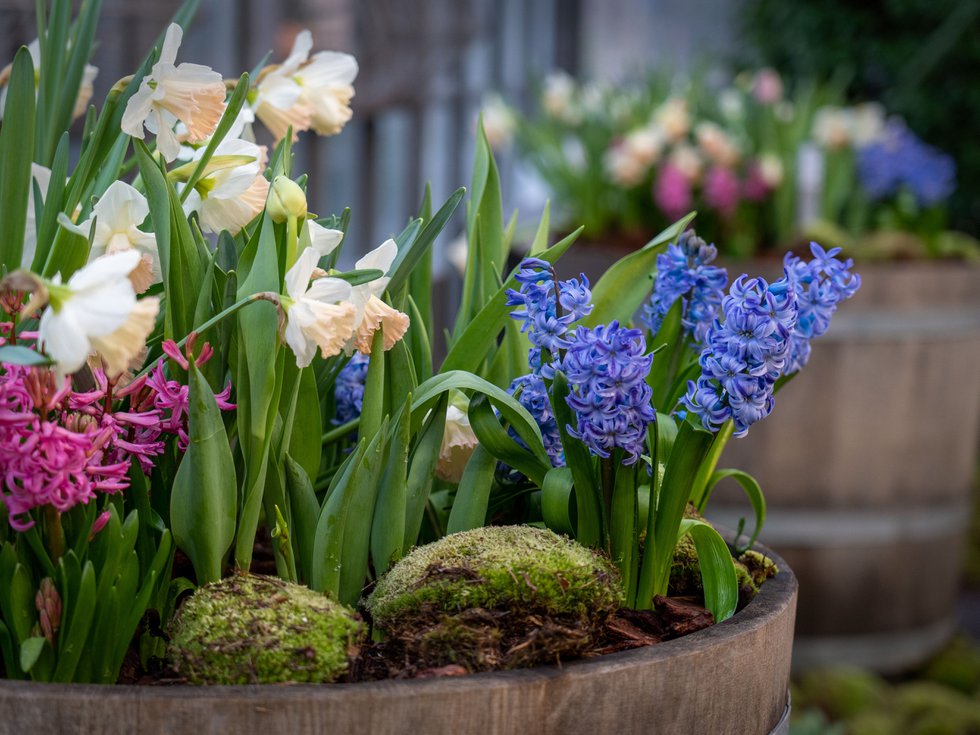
<point x="251" y="629"/>
<point x="496" y="597"/>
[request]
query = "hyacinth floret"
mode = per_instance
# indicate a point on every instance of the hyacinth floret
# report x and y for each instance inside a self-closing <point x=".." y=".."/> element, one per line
<point x="348" y="389"/>
<point x="744" y="355"/>
<point x="683" y="272"/>
<point x="547" y="307"/>
<point x="607" y="369"/>
<point x="531" y="392"/>
<point x="820" y="285"/>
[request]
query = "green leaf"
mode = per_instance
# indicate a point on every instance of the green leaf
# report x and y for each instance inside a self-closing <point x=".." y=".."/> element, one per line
<point x="557" y="503"/>
<point x="473" y="495"/>
<point x="540" y="242"/>
<point x="374" y="404"/>
<point x="357" y="277"/>
<point x="626" y="284"/>
<point x="16" y="150"/>
<point x="480" y="335"/>
<point x="754" y="492"/>
<point x="388" y="529"/>
<point x="422" y="466"/>
<point x="255" y="379"/>
<point x="20" y="355"/>
<point x="360" y="519"/>
<point x="19" y="612"/>
<point x="30" y="653"/>
<point x="407" y="258"/>
<point x="79" y="615"/>
<point x="328" y="540"/>
<point x="717" y="568"/>
<point x="496" y="440"/>
<point x="304" y="510"/>
<point x="578" y="458"/>
<point x="690" y="449"/>
<point x="205" y="491"/>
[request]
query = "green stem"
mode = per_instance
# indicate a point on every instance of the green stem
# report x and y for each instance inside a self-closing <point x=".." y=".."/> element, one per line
<point x="608" y="479"/>
<point x="54" y="533"/>
<point x="292" y="238"/>
<point x="340" y="432"/>
<point x="707" y="468"/>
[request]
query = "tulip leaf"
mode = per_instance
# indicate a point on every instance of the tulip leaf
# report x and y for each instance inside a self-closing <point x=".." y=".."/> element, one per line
<point x="205" y="490"/>
<point x="422" y="466"/>
<point x="388" y="529"/>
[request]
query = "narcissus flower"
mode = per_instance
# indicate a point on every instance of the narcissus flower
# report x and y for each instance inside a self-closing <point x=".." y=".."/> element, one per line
<point x="372" y="313"/>
<point x="458" y="443"/>
<point x="96" y="310"/>
<point x="305" y="92"/>
<point x="314" y="318"/>
<point x="230" y="197"/>
<point x="190" y="93"/>
<point x="117" y="216"/>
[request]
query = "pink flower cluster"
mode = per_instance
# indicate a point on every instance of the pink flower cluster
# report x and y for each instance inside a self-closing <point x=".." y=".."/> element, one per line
<point x="721" y="190"/>
<point x="60" y="446"/>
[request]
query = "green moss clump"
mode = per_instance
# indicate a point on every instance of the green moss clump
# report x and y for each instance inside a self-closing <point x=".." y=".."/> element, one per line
<point x="495" y="597"/>
<point x="251" y="629"/>
<point x="512" y="566"/>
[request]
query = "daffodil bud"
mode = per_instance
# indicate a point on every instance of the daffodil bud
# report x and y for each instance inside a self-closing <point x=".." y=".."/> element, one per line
<point x="286" y="199"/>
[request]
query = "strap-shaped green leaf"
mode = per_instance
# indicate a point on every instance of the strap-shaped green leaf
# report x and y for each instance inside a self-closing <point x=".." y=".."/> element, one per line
<point x="480" y="335"/>
<point x="495" y="439"/>
<point x="557" y="501"/>
<point x="79" y="615"/>
<point x="205" y="491"/>
<point x="388" y="528"/>
<point x="421" y="469"/>
<point x="578" y="458"/>
<point x="754" y="493"/>
<point x="16" y="151"/>
<point x="626" y="284"/>
<point x="473" y="495"/>
<point x="717" y="568"/>
<point x="304" y="510"/>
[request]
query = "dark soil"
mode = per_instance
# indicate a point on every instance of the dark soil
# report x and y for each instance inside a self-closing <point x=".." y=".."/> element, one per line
<point x="488" y="640"/>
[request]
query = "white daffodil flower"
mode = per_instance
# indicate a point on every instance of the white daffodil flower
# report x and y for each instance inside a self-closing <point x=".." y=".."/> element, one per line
<point x="118" y="215"/>
<point x="320" y="238"/>
<point x="241" y="127"/>
<point x="96" y="310"/>
<point x="458" y="443"/>
<point x="278" y="101"/>
<point x="328" y="85"/>
<point x="42" y="175"/>
<point x="673" y="118"/>
<point x="717" y="145"/>
<point x="229" y="198"/>
<point x="372" y="313"/>
<point x="191" y="93"/>
<point x="314" y="318"/>
<point x="305" y="92"/>
<point x="85" y="88"/>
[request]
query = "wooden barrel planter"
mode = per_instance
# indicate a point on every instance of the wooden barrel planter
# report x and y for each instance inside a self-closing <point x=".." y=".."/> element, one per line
<point x="867" y="464"/>
<point x="729" y="678"/>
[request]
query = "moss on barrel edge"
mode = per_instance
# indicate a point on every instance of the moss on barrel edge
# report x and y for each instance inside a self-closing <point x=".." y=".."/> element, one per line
<point x="252" y="629"/>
